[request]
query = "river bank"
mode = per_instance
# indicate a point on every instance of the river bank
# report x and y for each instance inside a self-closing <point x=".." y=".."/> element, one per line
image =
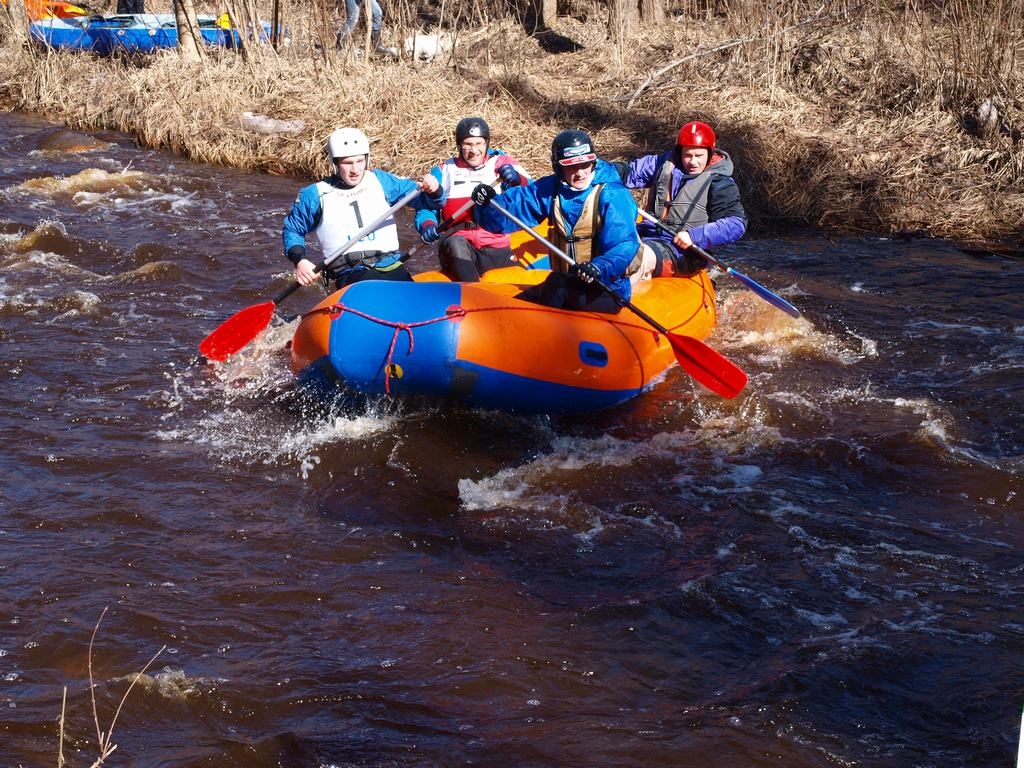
<point x="854" y="120"/>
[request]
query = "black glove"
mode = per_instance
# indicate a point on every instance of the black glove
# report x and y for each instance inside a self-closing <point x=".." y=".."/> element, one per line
<point x="586" y="271"/>
<point x="429" y="234"/>
<point x="483" y="194"/>
<point x="509" y="176"/>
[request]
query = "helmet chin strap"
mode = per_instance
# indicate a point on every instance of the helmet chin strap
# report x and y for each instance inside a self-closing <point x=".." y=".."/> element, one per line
<point x="568" y="185"/>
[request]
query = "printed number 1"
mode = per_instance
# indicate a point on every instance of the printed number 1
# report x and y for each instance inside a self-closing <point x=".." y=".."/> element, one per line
<point x="355" y="210"/>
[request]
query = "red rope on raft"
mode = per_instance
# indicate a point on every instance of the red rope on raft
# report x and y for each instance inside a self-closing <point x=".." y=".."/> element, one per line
<point x="456" y="313"/>
<point x="338" y="309"/>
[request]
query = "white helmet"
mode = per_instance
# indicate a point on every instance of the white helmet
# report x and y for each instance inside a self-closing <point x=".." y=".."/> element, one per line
<point x="346" y="142"/>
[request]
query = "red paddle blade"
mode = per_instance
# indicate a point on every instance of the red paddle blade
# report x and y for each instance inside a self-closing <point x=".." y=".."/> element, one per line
<point x="707" y="366"/>
<point x="237" y="331"/>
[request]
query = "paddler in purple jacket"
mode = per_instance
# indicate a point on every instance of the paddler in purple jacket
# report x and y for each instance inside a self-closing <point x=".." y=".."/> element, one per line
<point x="691" y="190"/>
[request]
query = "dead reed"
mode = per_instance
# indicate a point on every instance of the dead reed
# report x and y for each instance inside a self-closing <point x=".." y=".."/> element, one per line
<point x="856" y="116"/>
<point x="105" y="745"/>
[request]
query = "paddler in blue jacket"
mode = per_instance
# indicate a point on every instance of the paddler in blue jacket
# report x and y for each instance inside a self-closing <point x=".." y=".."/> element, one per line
<point x="592" y="218"/>
<point x="691" y="190"/>
<point x="339" y="206"/>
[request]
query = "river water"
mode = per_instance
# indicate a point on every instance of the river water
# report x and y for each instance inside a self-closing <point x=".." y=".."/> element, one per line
<point x="827" y="570"/>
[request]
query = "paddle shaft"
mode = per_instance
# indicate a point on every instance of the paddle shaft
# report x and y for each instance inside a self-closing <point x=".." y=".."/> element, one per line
<point x="326" y="262"/>
<point x="244" y="326"/>
<point x="449" y="222"/>
<point x="774" y="299"/>
<point x="705" y="365"/>
<point x="565" y="257"/>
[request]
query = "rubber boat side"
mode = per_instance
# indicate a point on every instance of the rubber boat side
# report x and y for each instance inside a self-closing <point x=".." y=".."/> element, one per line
<point x="476" y="344"/>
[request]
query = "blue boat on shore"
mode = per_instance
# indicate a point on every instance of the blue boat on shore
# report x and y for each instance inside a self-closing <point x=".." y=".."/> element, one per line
<point x="132" y="33"/>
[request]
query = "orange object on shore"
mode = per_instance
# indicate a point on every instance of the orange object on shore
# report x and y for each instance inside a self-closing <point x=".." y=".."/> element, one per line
<point x="50" y="9"/>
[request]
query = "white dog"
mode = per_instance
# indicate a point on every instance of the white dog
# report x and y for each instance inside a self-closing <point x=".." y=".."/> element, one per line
<point x="426" y="48"/>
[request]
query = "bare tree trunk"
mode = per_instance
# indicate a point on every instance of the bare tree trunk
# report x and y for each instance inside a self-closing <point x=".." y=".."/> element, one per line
<point x="546" y="11"/>
<point x="190" y="41"/>
<point x="276" y="17"/>
<point x="625" y="16"/>
<point x="652" y="12"/>
<point x="623" y="19"/>
<point x="19" y="19"/>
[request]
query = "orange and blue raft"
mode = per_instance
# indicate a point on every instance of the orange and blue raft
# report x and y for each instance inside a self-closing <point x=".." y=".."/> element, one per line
<point x="478" y="345"/>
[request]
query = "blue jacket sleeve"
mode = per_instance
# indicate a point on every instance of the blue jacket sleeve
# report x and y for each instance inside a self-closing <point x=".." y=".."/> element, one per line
<point x="718" y="233"/>
<point x="396" y="187"/>
<point x="427" y="209"/>
<point x="617" y="242"/>
<point x="303" y="218"/>
<point x="641" y="171"/>
<point x="530" y="203"/>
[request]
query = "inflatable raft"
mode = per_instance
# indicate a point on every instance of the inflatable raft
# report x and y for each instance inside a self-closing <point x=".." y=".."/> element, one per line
<point x="130" y="33"/>
<point x="478" y="345"/>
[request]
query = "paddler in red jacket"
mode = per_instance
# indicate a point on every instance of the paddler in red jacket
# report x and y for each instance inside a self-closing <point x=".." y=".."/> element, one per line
<point x="466" y="251"/>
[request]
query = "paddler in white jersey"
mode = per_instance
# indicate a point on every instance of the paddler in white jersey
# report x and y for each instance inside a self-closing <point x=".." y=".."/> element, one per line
<point x="337" y="207"/>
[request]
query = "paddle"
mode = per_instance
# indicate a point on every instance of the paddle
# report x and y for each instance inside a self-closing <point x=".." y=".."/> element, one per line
<point x="241" y="328"/>
<point x="704" y="364"/>
<point x="448" y="223"/>
<point x="773" y="299"/>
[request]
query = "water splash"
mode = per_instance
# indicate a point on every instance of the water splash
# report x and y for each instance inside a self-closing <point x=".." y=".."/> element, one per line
<point x="90" y="180"/>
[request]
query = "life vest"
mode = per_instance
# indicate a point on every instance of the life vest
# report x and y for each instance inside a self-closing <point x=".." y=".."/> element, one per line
<point x="580" y="244"/>
<point x="689" y="208"/>
<point x="346" y="211"/>
<point x="460" y="180"/>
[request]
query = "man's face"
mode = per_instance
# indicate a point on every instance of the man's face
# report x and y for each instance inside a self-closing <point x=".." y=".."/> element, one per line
<point x="694" y="159"/>
<point x="351" y="169"/>
<point x="578" y="176"/>
<point x="473" y="151"/>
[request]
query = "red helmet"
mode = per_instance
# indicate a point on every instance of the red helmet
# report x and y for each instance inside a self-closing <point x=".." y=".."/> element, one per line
<point x="696" y="134"/>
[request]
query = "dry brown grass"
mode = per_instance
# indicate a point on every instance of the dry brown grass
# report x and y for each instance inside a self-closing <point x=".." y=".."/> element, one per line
<point x="849" y="116"/>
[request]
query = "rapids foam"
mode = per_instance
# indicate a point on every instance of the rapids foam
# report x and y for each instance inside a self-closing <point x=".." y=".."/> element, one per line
<point x="93" y="180"/>
<point x="546" y="483"/>
<point x="122" y="190"/>
<point x="751" y="325"/>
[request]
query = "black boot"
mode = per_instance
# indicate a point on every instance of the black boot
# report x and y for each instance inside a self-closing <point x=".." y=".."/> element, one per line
<point x="378" y="49"/>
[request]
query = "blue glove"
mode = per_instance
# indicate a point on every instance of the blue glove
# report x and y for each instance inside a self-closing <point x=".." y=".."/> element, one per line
<point x="429" y="234"/>
<point x="483" y="194"/>
<point x="586" y="271"/>
<point x="509" y="176"/>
